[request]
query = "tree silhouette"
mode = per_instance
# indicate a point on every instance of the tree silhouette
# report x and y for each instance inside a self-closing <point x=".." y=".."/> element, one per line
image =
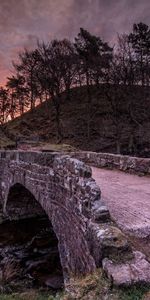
<point x="94" y="56"/>
<point x="140" y="40"/>
<point x="4" y="105"/>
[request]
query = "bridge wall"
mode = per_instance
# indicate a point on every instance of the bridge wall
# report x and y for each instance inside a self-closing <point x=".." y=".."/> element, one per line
<point x="65" y="190"/>
<point x="125" y="163"/>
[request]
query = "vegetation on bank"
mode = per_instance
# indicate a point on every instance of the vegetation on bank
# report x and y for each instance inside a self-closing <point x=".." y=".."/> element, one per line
<point x="92" y="287"/>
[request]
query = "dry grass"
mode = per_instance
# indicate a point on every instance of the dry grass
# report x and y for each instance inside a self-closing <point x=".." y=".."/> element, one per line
<point x="47" y="147"/>
<point x="92" y="287"/>
<point x="10" y="271"/>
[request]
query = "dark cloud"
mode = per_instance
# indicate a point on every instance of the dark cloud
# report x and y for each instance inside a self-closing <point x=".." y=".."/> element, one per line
<point x="23" y="21"/>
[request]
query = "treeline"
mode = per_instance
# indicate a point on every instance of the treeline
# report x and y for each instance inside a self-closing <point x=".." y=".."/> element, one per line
<point x="57" y="66"/>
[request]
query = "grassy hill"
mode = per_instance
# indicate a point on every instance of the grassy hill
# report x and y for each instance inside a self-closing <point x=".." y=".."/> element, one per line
<point x="5" y="141"/>
<point x="40" y="124"/>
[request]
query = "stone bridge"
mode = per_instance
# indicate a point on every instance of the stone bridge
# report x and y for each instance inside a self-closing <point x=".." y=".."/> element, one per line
<point x="64" y="189"/>
<point x="36" y="183"/>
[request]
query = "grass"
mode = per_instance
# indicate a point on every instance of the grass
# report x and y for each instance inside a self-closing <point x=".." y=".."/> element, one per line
<point x="92" y="287"/>
<point x="97" y="287"/>
<point x="134" y="293"/>
<point x="53" y="147"/>
<point x="30" y="295"/>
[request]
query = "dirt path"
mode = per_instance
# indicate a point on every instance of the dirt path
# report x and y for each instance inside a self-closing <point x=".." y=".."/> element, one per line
<point x="127" y="198"/>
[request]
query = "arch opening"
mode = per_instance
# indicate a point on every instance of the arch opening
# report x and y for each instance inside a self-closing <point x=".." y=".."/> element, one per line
<point x="31" y="243"/>
<point x="21" y="203"/>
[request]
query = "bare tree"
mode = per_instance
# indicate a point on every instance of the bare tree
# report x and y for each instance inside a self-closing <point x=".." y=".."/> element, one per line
<point x="27" y="68"/>
<point x="19" y="93"/>
<point x="56" y="73"/>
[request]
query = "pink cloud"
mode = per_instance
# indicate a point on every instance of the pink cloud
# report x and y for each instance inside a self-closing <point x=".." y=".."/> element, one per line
<point x="23" y="21"/>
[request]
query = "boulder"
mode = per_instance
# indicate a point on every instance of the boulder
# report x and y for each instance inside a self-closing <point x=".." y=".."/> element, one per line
<point x="54" y="282"/>
<point x="113" y="241"/>
<point x="135" y="271"/>
<point x="100" y="212"/>
<point x="108" y="241"/>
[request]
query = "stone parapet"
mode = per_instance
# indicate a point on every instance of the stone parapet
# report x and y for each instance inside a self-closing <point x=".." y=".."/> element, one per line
<point x="134" y="165"/>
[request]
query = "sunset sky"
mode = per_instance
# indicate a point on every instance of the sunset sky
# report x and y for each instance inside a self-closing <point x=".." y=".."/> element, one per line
<point x="23" y="21"/>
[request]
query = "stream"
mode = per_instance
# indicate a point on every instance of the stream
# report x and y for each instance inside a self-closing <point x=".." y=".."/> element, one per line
<point x="29" y="256"/>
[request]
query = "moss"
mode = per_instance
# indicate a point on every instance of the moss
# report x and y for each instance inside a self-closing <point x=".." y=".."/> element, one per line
<point x="133" y="293"/>
<point x="92" y="287"/>
<point x="121" y="257"/>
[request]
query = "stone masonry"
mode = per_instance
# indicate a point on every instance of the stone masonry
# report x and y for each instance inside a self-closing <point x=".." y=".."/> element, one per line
<point x="133" y="165"/>
<point x="65" y="190"/>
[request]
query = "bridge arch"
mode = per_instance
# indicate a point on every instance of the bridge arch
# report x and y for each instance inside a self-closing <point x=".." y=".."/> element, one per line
<point x="21" y="203"/>
<point x="21" y="206"/>
<point x="62" y="187"/>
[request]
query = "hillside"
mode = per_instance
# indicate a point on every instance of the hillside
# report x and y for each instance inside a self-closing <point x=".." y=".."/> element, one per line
<point x="40" y="124"/>
<point x="5" y="141"/>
